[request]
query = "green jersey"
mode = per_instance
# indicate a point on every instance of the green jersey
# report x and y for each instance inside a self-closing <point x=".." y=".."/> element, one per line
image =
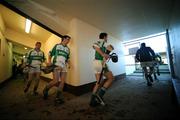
<point x="35" y="58"/>
<point x="101" y="45"/>
<point x="60" y="53"/>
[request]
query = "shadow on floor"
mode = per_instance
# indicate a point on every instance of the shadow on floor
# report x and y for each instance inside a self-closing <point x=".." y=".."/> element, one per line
<point x="129" y="98"/>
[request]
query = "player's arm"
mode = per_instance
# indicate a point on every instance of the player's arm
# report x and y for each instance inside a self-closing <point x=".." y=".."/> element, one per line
<point x="97" y="48"/>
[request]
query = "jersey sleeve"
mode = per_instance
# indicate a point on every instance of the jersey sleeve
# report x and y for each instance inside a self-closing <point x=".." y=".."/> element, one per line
<point x="28" y="57"/>
<point x="44" y="57"/>
<point x="28" y="54"/>
<point x="96" y="44"/>
<point x="53" y="51"/>
<point x="68" y="55"/>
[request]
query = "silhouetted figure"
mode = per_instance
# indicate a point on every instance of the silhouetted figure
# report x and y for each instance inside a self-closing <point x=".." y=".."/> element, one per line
<point x="14" y="68"/>
<point x="158" y="61"/>
<point x="25" y="68"/>
<point x="20" y="67"/>
<point x="145" y="55"/>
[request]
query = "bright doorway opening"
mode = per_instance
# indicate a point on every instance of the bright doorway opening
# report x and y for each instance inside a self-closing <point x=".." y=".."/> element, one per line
<point x="157" y="42"/>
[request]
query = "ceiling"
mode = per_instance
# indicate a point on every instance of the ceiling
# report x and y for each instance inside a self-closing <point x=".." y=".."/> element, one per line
<point x="16" y="22"/>
<point x="123" y="19"/>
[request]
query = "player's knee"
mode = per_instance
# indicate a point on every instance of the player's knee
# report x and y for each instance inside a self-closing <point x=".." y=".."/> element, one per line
<point x="110" y="77"/>
<point x="97" y="83"/>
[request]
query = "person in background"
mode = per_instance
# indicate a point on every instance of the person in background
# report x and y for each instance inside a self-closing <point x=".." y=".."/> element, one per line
<point x="20" y="67"/>
<point x="14" y="68"/>
<point x="25" y="67"/>
<point x="35" y="58"/>
<point x="145" y="55"/>
<point x="158" y="61"/>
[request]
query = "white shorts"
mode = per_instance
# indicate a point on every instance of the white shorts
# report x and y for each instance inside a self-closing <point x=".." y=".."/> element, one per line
<point x="97" y="64"/>
<point x="61" y="67"/>
<point x="34" y="70"/>
<point x="147" y="64"/>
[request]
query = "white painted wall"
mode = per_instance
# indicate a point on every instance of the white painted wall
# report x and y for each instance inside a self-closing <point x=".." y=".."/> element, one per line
<point x="85" y="35"/>
<point x="5" y="55"/>
<point x="174" y="37"/>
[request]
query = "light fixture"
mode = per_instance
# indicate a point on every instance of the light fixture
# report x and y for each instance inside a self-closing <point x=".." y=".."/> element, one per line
<point x="28" y="26"/>
<point x="25" y="48"/>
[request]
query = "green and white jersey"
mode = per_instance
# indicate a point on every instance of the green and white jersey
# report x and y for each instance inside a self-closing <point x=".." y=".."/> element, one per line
<point x="60" y="53"/>
<point x="35" y="58"/>
<point x="100" y="44"/>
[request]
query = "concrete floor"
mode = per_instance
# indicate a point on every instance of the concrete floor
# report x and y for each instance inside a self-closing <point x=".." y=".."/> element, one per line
<point x="129" y="98"/>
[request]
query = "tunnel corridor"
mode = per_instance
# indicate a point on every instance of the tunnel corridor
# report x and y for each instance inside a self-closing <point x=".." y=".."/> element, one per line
<point x="129" y="97"/>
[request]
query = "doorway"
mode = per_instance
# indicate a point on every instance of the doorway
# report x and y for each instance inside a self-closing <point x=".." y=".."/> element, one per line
<point x="157" y="42"/>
